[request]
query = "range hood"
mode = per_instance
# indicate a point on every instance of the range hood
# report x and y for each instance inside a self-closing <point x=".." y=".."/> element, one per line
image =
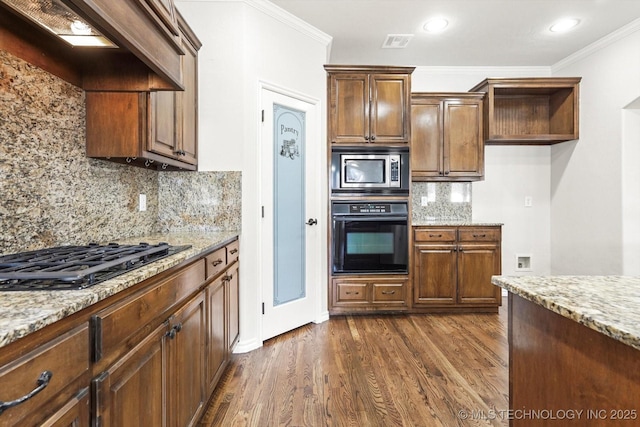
<point x="56" y="17"/>
<point x="144" y="45"/>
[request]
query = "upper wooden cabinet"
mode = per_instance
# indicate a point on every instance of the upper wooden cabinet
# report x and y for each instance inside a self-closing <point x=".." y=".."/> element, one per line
<point x="447" y="137"/>
<point x="156" y="129"/>
<point x="536" y="110"/>
<point x="369" y="104"/>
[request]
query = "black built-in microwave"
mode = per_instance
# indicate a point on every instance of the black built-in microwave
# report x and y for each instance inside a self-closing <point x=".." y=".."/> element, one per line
<point x="370" y="170"/>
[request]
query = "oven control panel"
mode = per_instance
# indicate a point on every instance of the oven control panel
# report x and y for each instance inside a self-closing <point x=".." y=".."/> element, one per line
<point x="365" y="208"/>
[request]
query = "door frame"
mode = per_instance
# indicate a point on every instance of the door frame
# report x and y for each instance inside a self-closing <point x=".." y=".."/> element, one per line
<point x="315" y="147"/>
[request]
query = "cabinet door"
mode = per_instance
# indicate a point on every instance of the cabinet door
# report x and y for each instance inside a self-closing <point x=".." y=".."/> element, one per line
<point x="233" y="284"/>
<point x="426" y="139"/>
<point x="476" y="264"/>
<point x="74" y="414"/>
<point x="463" y="139"/>
<point x="349" y="108"/>
<point x="217" y="352"/>
<point x="164" y="133"/>
<point x="187" y="105"/>
<point x="434" y="276"/>
<point x="185" y="364"/>
<point x="390" y="107"/>
<point x="131" y="392"/>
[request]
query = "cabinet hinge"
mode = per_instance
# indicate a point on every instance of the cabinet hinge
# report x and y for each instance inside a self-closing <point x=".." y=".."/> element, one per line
<point x="262" y="308"/>
<point x="262" y="116"/>
<point x="263" y="212"/>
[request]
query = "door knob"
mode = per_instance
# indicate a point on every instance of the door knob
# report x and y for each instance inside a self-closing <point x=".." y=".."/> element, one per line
<point x="312" y="221"/>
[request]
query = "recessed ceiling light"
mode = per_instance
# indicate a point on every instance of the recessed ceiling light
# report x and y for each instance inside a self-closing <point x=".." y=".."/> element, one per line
<point x="564" y="25"/>
<point x="435" y="25"/>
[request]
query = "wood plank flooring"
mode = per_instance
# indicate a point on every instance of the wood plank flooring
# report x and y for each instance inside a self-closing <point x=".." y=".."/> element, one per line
<point x="369" y="371"/>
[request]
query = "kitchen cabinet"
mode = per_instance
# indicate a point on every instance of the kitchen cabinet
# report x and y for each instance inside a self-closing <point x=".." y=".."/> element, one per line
<point x="59" y="370"/>
<point x="535" y="110"/>
<point x="157" y="129"/>
<point x="139" y="357"/>
<point x="452" y="268"/>
<point x="222" y="295"/>
<point x="447" y="137"/>
<point x="369" y="105"/>
<point x="361" y="293"/>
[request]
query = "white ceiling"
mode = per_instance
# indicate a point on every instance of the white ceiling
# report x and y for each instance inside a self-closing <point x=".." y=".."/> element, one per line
<point x="480" y="32"/>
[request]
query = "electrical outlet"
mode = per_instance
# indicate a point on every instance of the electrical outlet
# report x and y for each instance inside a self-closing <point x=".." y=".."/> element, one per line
<point x="142" y="203"/>
<point x="528" y="201"/>
<point x="424" y="200"/>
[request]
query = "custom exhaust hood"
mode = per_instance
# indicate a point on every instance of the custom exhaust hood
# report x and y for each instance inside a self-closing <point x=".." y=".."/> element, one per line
<point x="141" y="37"/>
<point x="56" y="17"/>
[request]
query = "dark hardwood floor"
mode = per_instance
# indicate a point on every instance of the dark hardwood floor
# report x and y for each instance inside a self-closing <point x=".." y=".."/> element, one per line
<point x="376" y="370"/>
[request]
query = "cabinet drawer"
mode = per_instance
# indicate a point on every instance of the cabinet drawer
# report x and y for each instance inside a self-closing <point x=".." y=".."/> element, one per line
<point x="389" y="292"/>
<point x="120" y="322"/>
<point x="478" y="234"/>
<point x="216" y="262"/>
<point x="351" y="292"/>
<point x="66" y="358"/>
<point x="435" y="235"/>
<point x="233" y="250"/>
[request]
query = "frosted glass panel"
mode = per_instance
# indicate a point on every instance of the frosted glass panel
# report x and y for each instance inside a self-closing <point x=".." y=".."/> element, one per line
<point x="289" y="210"/>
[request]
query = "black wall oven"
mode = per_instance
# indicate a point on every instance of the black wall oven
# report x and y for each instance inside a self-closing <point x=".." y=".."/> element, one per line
<point x="370" y="237"/>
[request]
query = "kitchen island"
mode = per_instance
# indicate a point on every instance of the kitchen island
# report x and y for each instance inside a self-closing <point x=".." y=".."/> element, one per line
<point x="574" y="350"/>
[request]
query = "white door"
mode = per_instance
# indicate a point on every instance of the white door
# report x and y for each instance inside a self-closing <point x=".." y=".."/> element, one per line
<point x="290" y="196"/>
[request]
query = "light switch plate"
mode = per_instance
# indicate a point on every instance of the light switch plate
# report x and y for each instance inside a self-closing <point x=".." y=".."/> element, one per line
<point x="424" y="200"/>
<point x="528" y="201"/>
<point x="142" y="203"/>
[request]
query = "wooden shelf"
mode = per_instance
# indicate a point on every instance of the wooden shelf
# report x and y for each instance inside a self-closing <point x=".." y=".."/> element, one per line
<point x="535" y="110"/>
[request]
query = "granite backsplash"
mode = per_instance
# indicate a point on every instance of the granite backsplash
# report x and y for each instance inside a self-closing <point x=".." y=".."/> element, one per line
<point x="52" y="194"/>
<point x="445" y="201"/>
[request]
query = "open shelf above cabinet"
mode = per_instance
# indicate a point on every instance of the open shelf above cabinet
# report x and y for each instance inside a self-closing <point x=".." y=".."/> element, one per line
<point x="534" y="110"/>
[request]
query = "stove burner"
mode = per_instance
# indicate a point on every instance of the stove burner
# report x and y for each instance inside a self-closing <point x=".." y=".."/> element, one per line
<point x="76" y="267"/>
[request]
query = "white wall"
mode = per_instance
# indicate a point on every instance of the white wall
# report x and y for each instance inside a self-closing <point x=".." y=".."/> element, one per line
<point x="246" y="42"/>
<point x="511" y="173"/>
<point x="631" y="189"/>
<point x="588" y="176"/>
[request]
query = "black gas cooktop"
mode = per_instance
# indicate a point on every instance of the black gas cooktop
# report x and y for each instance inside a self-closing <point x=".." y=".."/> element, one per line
<point x="76" y="267"/>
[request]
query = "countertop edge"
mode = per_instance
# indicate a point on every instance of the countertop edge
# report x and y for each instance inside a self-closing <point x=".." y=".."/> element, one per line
<point x="593" y="318"/>
<point x="25" y="312"/>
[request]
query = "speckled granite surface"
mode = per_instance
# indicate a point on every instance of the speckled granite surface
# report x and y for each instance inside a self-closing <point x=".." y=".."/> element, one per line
<point x="446" y="202"/>
<point x="607" y="304"/>
<point x="24" y="312"/>
<point x="444" y="223"/>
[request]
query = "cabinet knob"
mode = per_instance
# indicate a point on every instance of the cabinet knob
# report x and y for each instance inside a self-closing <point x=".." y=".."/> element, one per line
<point x="366" y="138"/>
<point x="373" y="138"/>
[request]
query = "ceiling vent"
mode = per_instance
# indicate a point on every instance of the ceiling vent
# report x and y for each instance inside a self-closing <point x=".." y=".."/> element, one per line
<point x="397" y="41"/>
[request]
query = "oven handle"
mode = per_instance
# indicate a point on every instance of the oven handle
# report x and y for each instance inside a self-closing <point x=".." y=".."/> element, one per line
<point x="370" y="218"/>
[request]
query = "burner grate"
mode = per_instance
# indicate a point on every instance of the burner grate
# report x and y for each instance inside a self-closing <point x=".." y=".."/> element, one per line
<point x="76" y="267"/>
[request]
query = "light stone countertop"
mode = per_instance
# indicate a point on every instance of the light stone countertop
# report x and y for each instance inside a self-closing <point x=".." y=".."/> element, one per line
<point x="23" y="312"/>
<point x="445" y="223"/>
<point x="607" y="304"/>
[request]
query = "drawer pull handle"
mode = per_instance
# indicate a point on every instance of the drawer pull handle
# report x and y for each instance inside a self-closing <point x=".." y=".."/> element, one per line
<point x="227" y="278"/>
<point x="42" y="382"/>
<point x="233" y="251"/>
<point x="352" y="293"/>
<point x="388" y="292"/>
<point x="217" y="262"/>
<point x="435" y="235"/>
<point x="479" y="235"/>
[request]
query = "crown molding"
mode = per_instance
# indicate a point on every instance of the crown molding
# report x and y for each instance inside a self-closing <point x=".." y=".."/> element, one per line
<point x="496" y="71"/>
<point x="605" y="41"/>
<point x="291" y="20"/>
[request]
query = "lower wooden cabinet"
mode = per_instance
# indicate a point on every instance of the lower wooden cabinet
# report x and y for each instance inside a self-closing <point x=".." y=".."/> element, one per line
<point x="149" y="357"/>
<point x="369" y="294"/>
<point x="452" y="268"/>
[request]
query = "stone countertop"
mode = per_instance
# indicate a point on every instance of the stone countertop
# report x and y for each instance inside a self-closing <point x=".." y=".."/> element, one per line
<point x="445" y="223"/>
<point x="607" y="304"/>
<point x="23" y="312"/>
